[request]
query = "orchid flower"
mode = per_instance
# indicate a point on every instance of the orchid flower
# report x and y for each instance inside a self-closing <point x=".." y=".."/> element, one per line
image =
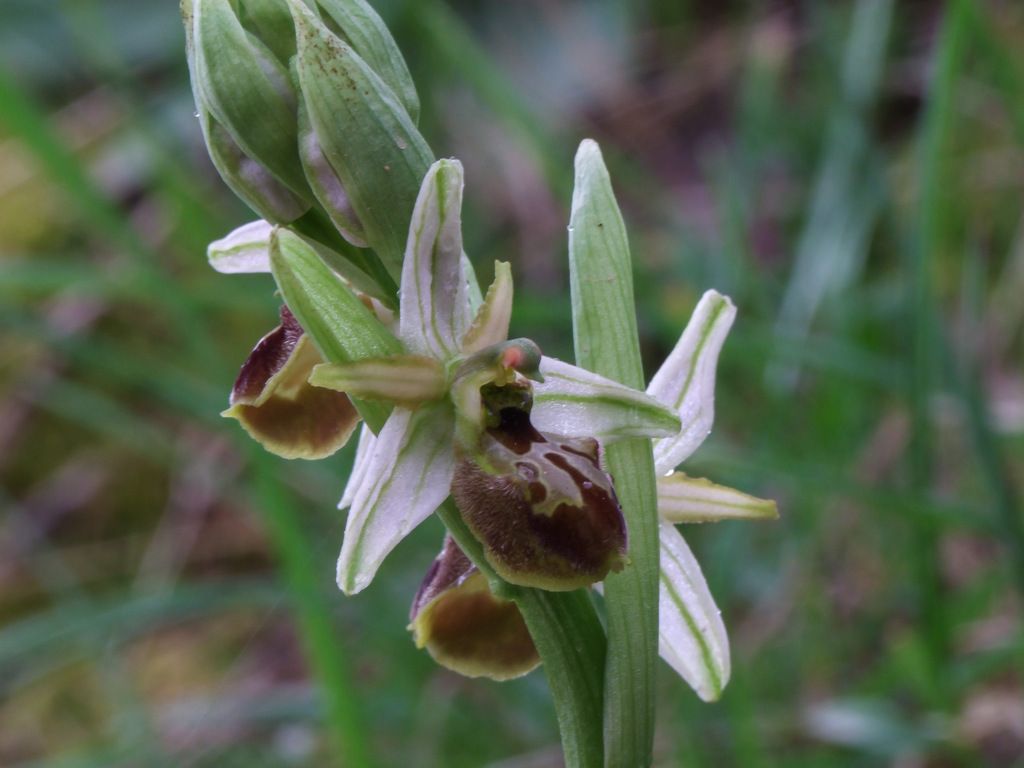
<point x="402" y="475"/>
<point x="692" y="637"/>
<point x="272" y="398"/>
<point x="405" y="472"/>
<point x="309" y="114"/>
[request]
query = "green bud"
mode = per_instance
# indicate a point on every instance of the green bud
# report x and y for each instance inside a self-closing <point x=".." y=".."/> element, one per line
<point x="358" y="24"/>
<point x="365" y="133"/>
<point x="248" y="91"/>
<point x="541" y="505"/>
<point x="354" y="21"/>
<point x="253" y="183"/>
<point x="238" y="162"/>
<point x="326" y="185"/>
<point x="271" y="22"/>
<point x="289" y="153"/>
<point x="464" y="626"/>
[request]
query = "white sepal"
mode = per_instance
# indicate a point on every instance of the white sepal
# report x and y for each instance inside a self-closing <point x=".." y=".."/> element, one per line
<point x="686" y="380"/>
<point x="434" y="312"/>
<point x="692" y="636"/>
<point x="360" y="466"/>
<point x="244" y="250"/>
<point x="407" y="477"/>
<point x="574" y="401"/>
<point x="684" y="499"/>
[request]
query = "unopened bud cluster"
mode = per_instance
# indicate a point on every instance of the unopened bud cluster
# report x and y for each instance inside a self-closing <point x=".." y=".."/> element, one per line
<point x="309" y="115"/>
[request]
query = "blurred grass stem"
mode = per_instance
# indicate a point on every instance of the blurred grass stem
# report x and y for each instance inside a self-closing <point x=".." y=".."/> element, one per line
<point x="343" y="713"/>
<point x="925" y="321"/>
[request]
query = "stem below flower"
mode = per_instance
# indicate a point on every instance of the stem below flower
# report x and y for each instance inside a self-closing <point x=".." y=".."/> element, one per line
<point x="569" y="638"/>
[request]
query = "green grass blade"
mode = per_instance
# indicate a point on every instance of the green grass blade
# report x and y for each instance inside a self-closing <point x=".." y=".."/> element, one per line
<point x="845" y="200"/>
<point x="342" y="708"/>
<point x="49" y="636"/>
<point x="453" y="44"/>
<point x="925" y="344"/>
<point x="1008" y="518"/>
<point x="29" y="124"/>
<point x="25" y="121"/>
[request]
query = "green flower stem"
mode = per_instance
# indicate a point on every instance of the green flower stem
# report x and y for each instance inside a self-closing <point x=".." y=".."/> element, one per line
<point x="570" y="641"/>
<point x="606" y="342"/>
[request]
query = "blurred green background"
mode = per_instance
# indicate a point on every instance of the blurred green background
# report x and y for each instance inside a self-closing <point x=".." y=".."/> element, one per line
<point x="852" y="174"/>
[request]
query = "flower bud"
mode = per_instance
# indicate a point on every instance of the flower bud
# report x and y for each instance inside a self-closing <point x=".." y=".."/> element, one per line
<point x="248" y="92"/>
<point x="270" y="21"/>
<point x="363" y="129"/>
<point x="294" y="97"/>
<point x="234" y="78"/>
<point x="464" y="626"/>
<point x="326" y="185"/>
<point x="541" y="505"/>
<point x="253" y="183"/>
<point x="276" y="405"/>
<point x="360" y="26"/>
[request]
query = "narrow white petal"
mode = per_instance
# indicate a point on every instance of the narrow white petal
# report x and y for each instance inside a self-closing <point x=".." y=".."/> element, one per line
<point x="246" y="249"/>
<point x="684" y="499"/>
<point x="404" y="379"/>
<point x="407" y="477"/>
<point x="692" y="636"/>
<point x="360" y="466"/>
<point x="573" y="401"/>
<point x="434" y="312"/>
<point x="686" y="380"/>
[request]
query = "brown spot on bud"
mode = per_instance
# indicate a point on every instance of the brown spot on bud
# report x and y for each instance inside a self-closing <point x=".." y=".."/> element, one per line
<point x="464" y="626"/>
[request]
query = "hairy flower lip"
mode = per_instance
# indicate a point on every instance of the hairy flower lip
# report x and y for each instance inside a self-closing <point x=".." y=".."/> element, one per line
<point x="541" y="505"/>
<point x="464" y="626"/>
<point x="275" y="404"/>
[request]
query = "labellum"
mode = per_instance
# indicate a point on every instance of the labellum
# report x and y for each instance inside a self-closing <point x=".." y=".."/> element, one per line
<point x="541" y="505"/>
<point x="276" y="405"/>
<point x="464" y="626"/>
